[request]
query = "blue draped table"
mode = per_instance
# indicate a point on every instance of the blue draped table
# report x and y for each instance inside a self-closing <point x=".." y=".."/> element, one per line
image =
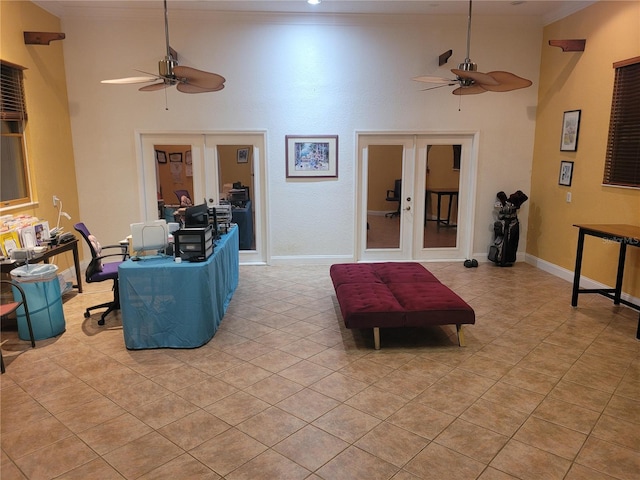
<point x="177" y="305"/>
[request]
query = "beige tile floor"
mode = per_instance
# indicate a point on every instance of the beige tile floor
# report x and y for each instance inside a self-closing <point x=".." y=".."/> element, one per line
<point x="283" y="391"/>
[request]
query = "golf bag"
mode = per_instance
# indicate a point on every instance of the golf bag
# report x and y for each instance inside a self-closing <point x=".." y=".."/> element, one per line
<point x="506" y="229"/>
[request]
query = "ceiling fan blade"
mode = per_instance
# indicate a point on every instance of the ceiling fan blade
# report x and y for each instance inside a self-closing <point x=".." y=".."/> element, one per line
<point x="477" y="77"/>
<point x="431" y="79"/>
<point x="128" y="80"/>
<point x="507" y="82"/>
<point x="438" y="86"/>
<point x="189" y="88"/>
<point x="154" y="87"/>
<point x="206" y="81"/>
<point x="470" y="90"/>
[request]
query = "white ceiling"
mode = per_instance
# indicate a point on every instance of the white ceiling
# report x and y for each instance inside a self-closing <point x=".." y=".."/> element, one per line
<point x="547" y="10"/>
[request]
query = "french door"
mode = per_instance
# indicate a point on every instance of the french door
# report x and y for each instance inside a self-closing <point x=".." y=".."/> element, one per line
<point x="207" y="170"/>
<point x="432" y="217"/>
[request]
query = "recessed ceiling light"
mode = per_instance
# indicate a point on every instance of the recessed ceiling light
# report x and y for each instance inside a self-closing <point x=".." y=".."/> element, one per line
<point x="314" y="2"/>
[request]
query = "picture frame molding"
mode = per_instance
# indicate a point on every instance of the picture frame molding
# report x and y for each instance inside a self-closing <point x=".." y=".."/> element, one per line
<point x="243" y="155"/>
<point x="566" y="173"/>
<point x="292" y="171"/>
<point x="570" y="131"/>
<point x="161" y="156"/>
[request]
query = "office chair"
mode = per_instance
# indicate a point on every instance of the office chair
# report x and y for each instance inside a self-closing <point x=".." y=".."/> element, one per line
<point x="97" y="271"/>
<point x="395" y="195"/>
<point x="10" y="307"/>
<point x="183" y="193"/>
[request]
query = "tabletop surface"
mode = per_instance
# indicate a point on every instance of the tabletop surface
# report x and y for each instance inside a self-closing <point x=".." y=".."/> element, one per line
<point x="615" y="229"/>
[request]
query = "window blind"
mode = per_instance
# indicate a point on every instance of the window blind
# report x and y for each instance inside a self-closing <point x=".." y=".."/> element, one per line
<point x="12" y="105"/>
<point x="622" y="163"/>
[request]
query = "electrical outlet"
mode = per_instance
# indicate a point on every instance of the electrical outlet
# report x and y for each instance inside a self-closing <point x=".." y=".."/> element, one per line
<point x="55" y="201"/>
<point x="568" y="197"/>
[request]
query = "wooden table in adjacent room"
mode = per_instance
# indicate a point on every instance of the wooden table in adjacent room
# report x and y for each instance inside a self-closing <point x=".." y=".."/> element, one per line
<point x="72" y="246"/>
<point x="165" y="304"/>
<point x="619" y="233"/>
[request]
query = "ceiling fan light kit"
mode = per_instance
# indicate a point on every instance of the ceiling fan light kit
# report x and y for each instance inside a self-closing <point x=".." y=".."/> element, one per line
<point x="186" y="79"/>
<point x="472" y="82"/>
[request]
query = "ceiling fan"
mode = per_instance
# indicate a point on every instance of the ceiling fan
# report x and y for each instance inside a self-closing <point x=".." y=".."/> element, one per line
<point x="470" y="81"/>
<point x="186" y="79"/>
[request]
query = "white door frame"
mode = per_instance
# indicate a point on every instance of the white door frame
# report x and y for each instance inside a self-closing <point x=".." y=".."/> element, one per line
<point x="418" y="150"/>
<point x="205" y="175"/>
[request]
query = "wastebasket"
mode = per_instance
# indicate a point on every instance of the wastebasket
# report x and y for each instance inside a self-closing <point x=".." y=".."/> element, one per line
<point x="42" y="291"/>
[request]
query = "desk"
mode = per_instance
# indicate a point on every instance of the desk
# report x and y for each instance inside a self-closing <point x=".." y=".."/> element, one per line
<point x="177" y="305"/>
<point x="72" y="246"/>
<point x="243" y="217"/>
<point x="622" y="234"/>
<point x="440" y="192"/>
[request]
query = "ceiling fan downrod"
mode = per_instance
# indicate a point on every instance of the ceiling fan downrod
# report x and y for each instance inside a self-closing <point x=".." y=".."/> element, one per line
<point x="468" y="65"/>
<point x="165" y="66"/>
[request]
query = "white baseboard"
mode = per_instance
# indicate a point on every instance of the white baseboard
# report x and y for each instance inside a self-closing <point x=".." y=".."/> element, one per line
<point x="311" y="259"/>
<point x="563" y="273"/>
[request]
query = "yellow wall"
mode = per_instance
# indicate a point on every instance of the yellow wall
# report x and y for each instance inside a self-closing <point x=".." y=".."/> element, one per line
<point x="441" y="174"/>
<point x="582" y="81"/>
<point x="385" y="166"/>
<point x="167" y="182"/>
<point x="231" y="171"/>
<point x="48" y="132"/>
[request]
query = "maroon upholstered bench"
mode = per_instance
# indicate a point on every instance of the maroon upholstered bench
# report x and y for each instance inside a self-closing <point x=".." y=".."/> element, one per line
<point x="402" y="294"/>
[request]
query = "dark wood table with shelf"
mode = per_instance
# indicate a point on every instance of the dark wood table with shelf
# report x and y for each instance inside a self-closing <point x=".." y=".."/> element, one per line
<point x="618" y="233"/>
<point x="71" y="246"/>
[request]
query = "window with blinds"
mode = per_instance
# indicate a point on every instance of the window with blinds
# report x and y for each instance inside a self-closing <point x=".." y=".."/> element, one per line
<point x="622" y="163"/>
<point x="14" y="172"/>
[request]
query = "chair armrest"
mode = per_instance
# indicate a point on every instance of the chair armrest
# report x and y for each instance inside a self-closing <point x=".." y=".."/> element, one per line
<point x="122" y="255"/>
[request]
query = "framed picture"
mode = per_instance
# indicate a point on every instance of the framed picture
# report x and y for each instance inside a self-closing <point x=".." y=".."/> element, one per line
<point x="312" y="156"/>
<point x="566" y="173"/>
<point x="161" y="156"/>
<point x="570" y="130"/>
<point x="175" y="157"/>
<point x="187" y="157"/>
<point x="243" y="155"/>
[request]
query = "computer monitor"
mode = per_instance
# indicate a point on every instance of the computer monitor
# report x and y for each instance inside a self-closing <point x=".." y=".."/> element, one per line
<point x="149" y="237"/>
<point x="196" y="216"/>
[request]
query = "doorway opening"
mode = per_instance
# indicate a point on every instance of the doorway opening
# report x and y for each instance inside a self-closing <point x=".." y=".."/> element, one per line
<point x="179" y="169"/>
<point x="415" y="196"/>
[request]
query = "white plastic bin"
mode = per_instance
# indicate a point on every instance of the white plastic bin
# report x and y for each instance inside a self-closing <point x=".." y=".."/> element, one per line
<point x="42" y="290"/>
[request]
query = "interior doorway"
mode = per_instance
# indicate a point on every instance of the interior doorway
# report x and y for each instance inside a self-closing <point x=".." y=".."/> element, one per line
<point x="208" y="162"/>
<point x="415" y="196"/>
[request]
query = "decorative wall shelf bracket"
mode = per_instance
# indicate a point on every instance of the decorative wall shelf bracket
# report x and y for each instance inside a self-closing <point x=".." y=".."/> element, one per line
<point x="42" y="38"/>
<point x="575" y="45"/>
<point x="442" y="59"/>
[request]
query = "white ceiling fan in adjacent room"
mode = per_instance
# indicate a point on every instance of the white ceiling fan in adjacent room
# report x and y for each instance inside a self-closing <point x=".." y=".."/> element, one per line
<point x="472" y="82"/>
<point x="186" y="79"/>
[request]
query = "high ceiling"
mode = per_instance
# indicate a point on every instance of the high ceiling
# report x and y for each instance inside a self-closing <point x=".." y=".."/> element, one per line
<point x="547" y="10"/>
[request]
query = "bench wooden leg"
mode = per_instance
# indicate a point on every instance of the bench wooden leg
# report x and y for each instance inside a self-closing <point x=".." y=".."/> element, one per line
<point x="376" y="337"/>
<point x="461" y="341"/>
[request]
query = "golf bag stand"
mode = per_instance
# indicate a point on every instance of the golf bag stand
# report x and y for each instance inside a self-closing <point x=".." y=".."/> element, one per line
<point x="506" y="229"/>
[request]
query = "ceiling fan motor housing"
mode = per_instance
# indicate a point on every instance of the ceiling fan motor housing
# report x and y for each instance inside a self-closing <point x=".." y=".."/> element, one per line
<point x="165" y="67"/>
<point x="467" y="66"/>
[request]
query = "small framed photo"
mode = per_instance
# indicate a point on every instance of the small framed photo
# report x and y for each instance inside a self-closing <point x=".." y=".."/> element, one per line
<point x="175" y="157"/>
<point x="161" y="156"/>
<point x="312" y="156"/>
<point x="187" y="157"/>
<point x="566" y="173"/>
<point x="243" y="155"/>
<point x="570" y="130"/>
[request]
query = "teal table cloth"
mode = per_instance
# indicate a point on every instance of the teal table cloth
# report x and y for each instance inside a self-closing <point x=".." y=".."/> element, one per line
<point x="165" y="304"/>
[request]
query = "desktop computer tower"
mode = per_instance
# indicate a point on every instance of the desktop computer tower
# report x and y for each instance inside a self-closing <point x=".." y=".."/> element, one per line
<point x="194" y="244"/>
